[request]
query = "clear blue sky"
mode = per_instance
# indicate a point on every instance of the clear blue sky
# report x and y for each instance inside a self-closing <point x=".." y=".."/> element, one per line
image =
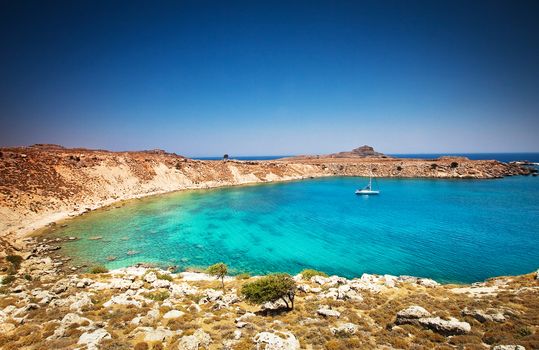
<point x="271" y="77"/>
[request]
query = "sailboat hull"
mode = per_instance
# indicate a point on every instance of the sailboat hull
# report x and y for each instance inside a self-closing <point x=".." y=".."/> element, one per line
<point x="367" y="192"/>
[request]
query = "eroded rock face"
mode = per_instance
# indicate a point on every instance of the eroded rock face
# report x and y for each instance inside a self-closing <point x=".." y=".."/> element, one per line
<point x="276" y="341"/>
<point x="484" y="316"/>
<point x="445" y="327"/>
<point x="419" y="316"/>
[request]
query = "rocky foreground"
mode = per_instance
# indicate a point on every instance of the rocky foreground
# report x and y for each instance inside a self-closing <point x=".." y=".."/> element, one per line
<point x="45" y="183"/>
<point x="44" y="306"/>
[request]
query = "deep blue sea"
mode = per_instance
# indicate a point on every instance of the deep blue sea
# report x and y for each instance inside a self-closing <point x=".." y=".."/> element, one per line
<point x="502" y="157"/>
<point x="449" y="230"/>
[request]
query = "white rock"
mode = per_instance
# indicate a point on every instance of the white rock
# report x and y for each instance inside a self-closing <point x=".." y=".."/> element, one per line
<point x="161" y="283"/>
<point x="327" y="312"/>
<point x="413" y="311"/>
<point x="193" y="342"/>
<point x="92" y="339"/>
<point x="237" y="334"/>
<point x="344" y="329"/>
<point x="78" y="301"/>
<point x="508" y="347"/>
<point x="120" y="283"/>
<point x="182" y="289"/>
<point x="150" y="334"/>
<point x="66" y="322"/>
<point x="245" y="317"/>
<point x="276" y="341"/>
<point x="449" y="327"/>
<point x="126" y="298"/>
<point x="481" y="316"/>
<point x="427" y="282"/>
<point x="150" y="277"/>
<point x="173" y="314"/>
<point x="136" y="285"/>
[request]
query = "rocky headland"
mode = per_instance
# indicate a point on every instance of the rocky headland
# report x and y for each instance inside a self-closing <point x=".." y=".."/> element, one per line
<point x="46" y="302"/>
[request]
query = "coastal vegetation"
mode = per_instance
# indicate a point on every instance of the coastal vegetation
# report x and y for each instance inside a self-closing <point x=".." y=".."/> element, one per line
<point x="219" y="270"/>
<point x="99" y="269"/>
<point x="270" y="289"/>
<point x="309" y="273"/>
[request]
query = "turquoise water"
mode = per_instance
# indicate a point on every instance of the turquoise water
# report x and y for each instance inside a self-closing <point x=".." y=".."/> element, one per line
<point x="449" y="230"/>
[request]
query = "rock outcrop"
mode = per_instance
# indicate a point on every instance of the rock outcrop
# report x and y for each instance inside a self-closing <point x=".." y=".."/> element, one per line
<point x="47" y="306"/>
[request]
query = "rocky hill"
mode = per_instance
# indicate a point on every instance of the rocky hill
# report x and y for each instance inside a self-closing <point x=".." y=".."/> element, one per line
<point x="360" y="152"/>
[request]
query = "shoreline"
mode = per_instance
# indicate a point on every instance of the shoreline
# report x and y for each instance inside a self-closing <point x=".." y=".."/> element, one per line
<point x="144" y="307"/>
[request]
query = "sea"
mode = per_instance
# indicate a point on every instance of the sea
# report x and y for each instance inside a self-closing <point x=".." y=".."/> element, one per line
<point x="502" y="157"/>
<point x="451" y="230"/>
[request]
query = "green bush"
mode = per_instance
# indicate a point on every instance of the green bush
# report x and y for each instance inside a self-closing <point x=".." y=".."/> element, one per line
<point x="453" y="165"/>
<point x="8" y="279"/>
<point x="99" y="269"/>
<point x="243" y="276"/>
<point x="308" y="273"/>
<point x="157" y="296"/>
<point x="270" y="289"/>
<point x="15" y="260"/>
<point x="164" y="276"/>
<point x="219" y="270"/>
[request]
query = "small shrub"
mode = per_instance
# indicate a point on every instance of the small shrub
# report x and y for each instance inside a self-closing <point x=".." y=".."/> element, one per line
<point x="99" y="269"/>
<point x="15" y="260"/>
<point x="308" y="273"/>
<point x="271" y="288"/>
<point x="243" y="276"/>
<point x="27" y="277"/>
<point x="157" y="296"/>
<point x="433" y="166"/>
<point x="454" y="165"/>
<point x="8" y="279"/>
<point x="399" y="168"/>
<point x="524" y="332"/>
<point x="219" y="270"/>
<point x="141" y="346"/>
<point x="164" y="276"/>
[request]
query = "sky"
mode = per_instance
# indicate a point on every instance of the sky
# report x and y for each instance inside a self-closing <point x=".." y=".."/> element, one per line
<point x="204" y="78"/>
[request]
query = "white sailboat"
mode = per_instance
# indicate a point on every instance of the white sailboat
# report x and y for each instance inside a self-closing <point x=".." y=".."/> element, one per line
<point x="367" y="190"/>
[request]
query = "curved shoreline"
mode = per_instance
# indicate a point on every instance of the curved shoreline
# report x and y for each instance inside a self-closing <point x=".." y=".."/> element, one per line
<point x="43" y="184"/>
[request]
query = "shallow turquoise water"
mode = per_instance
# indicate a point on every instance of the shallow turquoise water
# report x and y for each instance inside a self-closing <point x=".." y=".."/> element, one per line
<point x="449" y="230"/>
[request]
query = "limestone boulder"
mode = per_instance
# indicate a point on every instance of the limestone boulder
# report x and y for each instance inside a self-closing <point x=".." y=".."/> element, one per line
<point x="276" y="341"/>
